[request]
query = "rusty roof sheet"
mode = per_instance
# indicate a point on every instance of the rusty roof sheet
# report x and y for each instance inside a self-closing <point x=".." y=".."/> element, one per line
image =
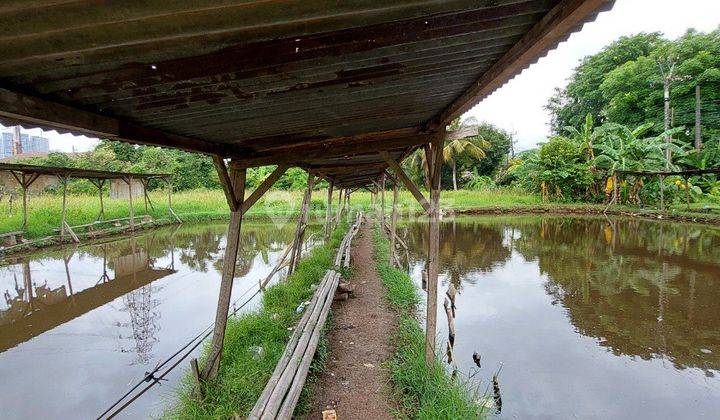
<point x="270" y="81"/>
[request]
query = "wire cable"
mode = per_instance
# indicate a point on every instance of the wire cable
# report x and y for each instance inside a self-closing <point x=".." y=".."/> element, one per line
<point x="150" y="376"/>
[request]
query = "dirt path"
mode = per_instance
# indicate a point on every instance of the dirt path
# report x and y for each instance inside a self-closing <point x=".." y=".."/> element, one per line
<point x="354" y="383"/>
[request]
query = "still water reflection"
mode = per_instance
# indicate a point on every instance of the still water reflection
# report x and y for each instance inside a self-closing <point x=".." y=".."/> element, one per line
<point x="588" y="318"/>
<point x="79" y="324"/>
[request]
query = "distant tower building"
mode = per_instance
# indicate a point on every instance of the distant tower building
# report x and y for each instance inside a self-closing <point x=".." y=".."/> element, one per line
<point x="6" y="145"/>
<point x="13" y="142"/>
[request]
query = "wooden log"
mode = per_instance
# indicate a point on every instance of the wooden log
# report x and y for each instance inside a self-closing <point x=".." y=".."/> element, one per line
<point x="261" y="403"/>
<point x="71" y="232"/>
<point x="276" y="398"/>
<point x="280" y="395"/>
<point x="293" y="395"/>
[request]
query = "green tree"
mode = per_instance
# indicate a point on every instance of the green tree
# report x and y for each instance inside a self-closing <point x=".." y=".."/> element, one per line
<point x="582" y="96"/>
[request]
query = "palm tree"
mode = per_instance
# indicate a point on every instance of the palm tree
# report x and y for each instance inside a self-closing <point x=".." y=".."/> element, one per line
<point x="466" y="147"/>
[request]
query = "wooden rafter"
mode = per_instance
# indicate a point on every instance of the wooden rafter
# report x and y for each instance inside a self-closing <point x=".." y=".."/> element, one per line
<point x="400" y="173"/>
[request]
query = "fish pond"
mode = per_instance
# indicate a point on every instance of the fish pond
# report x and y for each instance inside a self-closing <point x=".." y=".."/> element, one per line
<point x="79" y="326"/>
<point x="581" y="317"/>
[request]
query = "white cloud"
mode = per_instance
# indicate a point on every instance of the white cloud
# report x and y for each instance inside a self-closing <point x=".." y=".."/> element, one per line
<point x="518" y="106"/>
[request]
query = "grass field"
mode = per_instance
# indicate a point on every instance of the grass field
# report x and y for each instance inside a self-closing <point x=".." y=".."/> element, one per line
<point x="45" y="210"/>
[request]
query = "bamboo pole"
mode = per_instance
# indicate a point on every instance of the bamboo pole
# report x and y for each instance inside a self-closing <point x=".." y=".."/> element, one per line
<point x="302" y="221"/>
<point x="212" y="365"/>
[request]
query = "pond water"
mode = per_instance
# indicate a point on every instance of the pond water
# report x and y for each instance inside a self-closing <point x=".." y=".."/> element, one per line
<point x="80" y="325"/>
<point x="583" y="317"/>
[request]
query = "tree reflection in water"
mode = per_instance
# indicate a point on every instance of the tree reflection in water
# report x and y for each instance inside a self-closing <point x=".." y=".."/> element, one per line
<point x="640" y="288"/>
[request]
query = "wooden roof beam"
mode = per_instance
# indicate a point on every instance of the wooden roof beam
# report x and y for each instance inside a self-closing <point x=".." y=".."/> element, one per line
<point x="21" y="108"/>
<point x="553" y="28"/>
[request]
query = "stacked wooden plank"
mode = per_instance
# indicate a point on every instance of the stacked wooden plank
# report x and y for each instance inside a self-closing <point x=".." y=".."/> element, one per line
<point x="282" y="391"/>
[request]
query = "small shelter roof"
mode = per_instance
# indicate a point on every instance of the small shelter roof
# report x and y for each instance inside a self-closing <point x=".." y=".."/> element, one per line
<point x="74" y="172"/>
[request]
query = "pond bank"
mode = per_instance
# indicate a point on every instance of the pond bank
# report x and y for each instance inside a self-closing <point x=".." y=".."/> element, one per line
<point x="593" y="210"/>
<point x="421" y="391"/>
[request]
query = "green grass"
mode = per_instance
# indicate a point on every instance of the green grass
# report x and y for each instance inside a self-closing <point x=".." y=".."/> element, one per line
<point x="201" y="205"/>
<point x="242" y="377"/>
<point x="422" y="391"/>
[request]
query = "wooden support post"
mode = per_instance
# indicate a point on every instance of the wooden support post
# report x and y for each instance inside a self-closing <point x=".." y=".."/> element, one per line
<point x="687" y="192"/>
<point x="63" y="181"/>
<point x="100" y="184"/>
<point x="25" y="182"/>
<point x="236" y="179"/>
<point x="435" y="158"/>
<point x="328" y="213"/>
<point x="400" y="173"/>
<point x="302" y="222"/>
<point x="263" y="188"/>
<point x="339" y="207"/>
<point x="393" y="223"/>
<point x="129" y="182"/>
<point x="145" y="197"/>
<point x="382" y="201"/>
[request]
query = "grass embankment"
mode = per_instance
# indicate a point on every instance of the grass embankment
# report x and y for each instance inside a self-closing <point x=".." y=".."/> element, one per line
<point x="201" y="205"/>
<point x="423" y="392"/>
<point x="243" y="374"/>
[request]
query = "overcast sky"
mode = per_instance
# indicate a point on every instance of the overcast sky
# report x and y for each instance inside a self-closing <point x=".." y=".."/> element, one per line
<point x="518" y="106"/>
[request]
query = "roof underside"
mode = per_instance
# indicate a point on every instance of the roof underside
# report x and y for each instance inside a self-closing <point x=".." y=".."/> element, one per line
<point x="320" y="84"/>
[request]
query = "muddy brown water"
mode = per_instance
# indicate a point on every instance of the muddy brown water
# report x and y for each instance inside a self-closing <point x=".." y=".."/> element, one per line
<point x="79" y="325"/>
<point x="584" y="317"/>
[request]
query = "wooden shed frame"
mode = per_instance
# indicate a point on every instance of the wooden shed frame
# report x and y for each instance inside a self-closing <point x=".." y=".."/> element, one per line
<point x="343" y="90"/>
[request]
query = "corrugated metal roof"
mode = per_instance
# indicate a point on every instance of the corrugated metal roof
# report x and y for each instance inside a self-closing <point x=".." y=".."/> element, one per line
<point x="260" y="78"/>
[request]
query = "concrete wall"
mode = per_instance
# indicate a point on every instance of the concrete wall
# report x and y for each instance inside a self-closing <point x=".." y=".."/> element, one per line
<point x="119" y="189"/>
<point x="8" y="183"/>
